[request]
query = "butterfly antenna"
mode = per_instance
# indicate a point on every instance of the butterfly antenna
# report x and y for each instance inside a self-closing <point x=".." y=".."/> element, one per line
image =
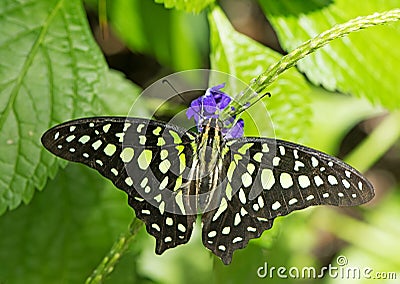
<point x="248" y="105"/>
<point x="165" y="81"/>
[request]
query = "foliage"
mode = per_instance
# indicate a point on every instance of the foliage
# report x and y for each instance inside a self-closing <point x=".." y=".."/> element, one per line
<point x="192" y="6"/>
<point x="236" y="54"/>
<point x="347" y="65"/>
<point x="52" y="70"/>
<point x="174" y="39"/>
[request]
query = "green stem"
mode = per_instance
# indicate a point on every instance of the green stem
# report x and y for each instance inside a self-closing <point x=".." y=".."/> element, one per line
<point x="108" y="263"/>
<point x="385" y="243"/>
<point x="380" y="140"/>
<point x="103" y="17"/>
<point x="257" y="87"/>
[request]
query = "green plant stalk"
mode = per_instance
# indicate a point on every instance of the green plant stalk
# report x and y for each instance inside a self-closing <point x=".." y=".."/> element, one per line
<point x="103" y="18"/>
<point x="257" y="88"/>
<point x="108" y="263"/>
<point x="385" y="244"/>
<point x="380" y="140"/>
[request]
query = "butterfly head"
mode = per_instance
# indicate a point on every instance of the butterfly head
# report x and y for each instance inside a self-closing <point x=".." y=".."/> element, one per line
<point x="206" y="110"/>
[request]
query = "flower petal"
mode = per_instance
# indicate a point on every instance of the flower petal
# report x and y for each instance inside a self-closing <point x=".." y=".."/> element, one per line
<point x="224" y="101"/>
<point x="236" y="131"/>
<point x="210" y="106"/>
<point x="217" y="88"/>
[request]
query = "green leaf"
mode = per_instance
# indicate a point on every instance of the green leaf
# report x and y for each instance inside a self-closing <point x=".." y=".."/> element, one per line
<point x="65" y="231"/>
<point x="45" y="71"/>
<point x="363" y="64"/>
<point x="242" y="57"/>
<point x="176" y="39"/>
<point x="118" y="96"/>
<point x="51" y="71"/>
<point x="194" y="6"/>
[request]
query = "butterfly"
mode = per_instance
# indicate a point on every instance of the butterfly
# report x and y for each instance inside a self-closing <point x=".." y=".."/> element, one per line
<point x="238" y="184"/>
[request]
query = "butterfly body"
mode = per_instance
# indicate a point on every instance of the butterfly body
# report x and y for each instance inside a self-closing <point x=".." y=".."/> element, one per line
<point x="239" y="185"/>
<point x="207" y="165"/>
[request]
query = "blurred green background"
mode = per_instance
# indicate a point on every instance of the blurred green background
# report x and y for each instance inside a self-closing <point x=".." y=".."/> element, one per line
<point x="67" y="59"/>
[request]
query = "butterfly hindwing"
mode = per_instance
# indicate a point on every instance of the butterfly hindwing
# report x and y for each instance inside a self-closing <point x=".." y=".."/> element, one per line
<point x="230" y="227"/>
<point x="266" y="178"/>
<point x="145" y="158"/>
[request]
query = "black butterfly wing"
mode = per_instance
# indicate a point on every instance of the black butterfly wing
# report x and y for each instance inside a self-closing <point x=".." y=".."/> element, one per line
<point x="147" y="159"/>
<point x="266" y="178"/>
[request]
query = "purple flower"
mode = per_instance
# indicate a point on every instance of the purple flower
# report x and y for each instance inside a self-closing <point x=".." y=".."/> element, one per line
<point x="236" y="131"/>
<point x="209" y="106"/>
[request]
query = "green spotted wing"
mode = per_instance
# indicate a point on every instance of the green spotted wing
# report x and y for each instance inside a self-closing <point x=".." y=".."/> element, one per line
<point x="145" y="158"/>
<point x="267" y="178"/>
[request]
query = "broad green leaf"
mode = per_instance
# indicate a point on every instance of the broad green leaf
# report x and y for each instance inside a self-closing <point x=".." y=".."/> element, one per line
<point x="363" y="64"/>
<point x="51" y="70"/>
<point x="46" y="76"/>
<point x="194" y="6"/>
<point x="244" y="58"/>
<point x="176" y="39"/>
<point x="118" y="95"/>
<point x="61" y="236"/>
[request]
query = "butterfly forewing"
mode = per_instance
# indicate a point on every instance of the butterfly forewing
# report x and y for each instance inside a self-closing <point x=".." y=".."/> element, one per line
<point x="266" y="178"/>
<point x="145" y="158"/>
